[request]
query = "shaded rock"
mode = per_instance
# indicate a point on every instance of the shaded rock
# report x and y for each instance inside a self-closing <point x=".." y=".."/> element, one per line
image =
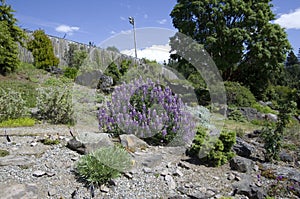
<point x="152" y="160"/>
<point x="241" y="164"/>
<point x="132" y="143"/>
<point x="76" y="145"/>
<point x="23" y="161"/>
<point x="19" y="191"/>
<point x="184" y="165"/>
<point x="246" y="187"/>
<point x="286" y="157"/>
<point x="89" y="79"/>
<point x="251" y="113"/>
<point x="242" y="148"/>
<point x="105" y="84"/>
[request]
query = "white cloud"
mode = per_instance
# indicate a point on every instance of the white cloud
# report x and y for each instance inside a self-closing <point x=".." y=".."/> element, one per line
<point x="163" y="21"/>
<point x="155" y="52"/>
<point x="290" y="20"/>
<point x="66" y="29"/>
<point x="112" y="32"/>
<point x="123" y="18"/>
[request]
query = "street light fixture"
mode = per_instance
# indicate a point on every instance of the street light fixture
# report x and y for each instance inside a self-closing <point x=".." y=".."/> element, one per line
<point x="131" y="21"/>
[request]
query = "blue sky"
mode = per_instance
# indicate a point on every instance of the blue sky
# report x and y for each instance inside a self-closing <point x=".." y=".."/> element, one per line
<point x="106" y="23"/>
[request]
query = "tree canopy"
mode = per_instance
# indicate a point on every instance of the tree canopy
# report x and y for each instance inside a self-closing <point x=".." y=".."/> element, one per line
<point x="10" y="36"/>
<point x="238" y="35"/>
<point x="42" y="50"/>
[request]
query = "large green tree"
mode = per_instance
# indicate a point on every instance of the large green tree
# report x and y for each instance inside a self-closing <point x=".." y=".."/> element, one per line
<point x="10" y="36"/>
<point x="291" y="59"/>
<point x="238" y="35"/>
<point x="42" y="50"/>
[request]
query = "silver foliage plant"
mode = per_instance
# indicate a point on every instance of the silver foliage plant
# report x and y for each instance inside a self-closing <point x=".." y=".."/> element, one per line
<point x="55" y="105"/>
<point x="12" y="105"/>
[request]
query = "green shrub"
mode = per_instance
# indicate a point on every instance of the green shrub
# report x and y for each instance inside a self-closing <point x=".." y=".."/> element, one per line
<point x="273" y="137"/>
<point x="263" y="109"/>
<point x="55" y="105"/>
<point x="49" y="141"/>
<point x="218" y="150"/>
<point x="70" y="72"/>
<point x="12" y="106"/>
<point x="17" y="122"/>
<point x="27" y="90"/>
<point x="277" y="94"/>
<point x="236" y="115"/>
<point x="103" y="165"/>
<point x="57" y="82"/>
<point x="238" y="95"/>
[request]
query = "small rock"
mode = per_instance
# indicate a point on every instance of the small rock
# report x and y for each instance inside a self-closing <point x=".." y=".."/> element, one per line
<point x="39" y="173"/>
<point x="104" y="189"/>
<point x="50" y="174"/>
<point x="164" y="172"/>
<point x="147" y="170"/>
<point x="241" y="164"/>
<point x="184" y="165"/>
<point x="128" y="175"/>
<point x="132" y="142"/>
<point x="52" y="192"/>
<point x="170" y="181"/>
<point x="231" y="176"/>
<point x="286" y="157"/>
<point x="178" y="173"/>
<point x="33" y="144"/>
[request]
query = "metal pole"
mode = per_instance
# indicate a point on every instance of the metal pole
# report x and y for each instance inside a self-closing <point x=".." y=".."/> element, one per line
<point x="131" y="21"/>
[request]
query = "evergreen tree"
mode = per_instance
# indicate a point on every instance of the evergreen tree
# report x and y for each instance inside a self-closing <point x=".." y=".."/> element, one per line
<point x="42" y="50"/>
<point x="291" y="59"/>
<point x="75" y="56"/>
<point x="10" y="36"/>
<point x="238" y="35"/>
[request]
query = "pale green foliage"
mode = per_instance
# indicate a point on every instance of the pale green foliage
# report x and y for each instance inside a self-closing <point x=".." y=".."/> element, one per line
<point x="103" y="164"/>
<point x="75" y="56"/>
<point x="12" y="106"/>
<point x="55" y="105"/>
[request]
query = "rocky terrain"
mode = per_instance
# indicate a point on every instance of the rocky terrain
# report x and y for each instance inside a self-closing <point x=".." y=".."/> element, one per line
<point x="35" y="170"/>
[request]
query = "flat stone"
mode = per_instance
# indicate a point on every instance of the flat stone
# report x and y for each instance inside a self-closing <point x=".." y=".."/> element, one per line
<point x="178" y="173"/>
<point x="104" y="189"/>
<point x="19" y="191"/>
<point x="13" y="160"/>
<point x="39" y="173"/>
<point x="132" y="143"/>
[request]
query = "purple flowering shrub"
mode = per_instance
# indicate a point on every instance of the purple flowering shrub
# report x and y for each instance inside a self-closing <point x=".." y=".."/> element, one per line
<point x="148" y="110"/>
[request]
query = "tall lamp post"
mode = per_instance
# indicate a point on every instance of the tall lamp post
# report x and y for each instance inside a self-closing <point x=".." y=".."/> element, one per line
<point x="131" y="21"/>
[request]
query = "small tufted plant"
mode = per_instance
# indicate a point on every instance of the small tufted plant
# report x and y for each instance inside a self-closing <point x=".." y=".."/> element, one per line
<point x="103" y="165"/>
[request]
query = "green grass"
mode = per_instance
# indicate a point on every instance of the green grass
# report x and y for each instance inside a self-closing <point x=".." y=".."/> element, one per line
<point x="20" y="122"/>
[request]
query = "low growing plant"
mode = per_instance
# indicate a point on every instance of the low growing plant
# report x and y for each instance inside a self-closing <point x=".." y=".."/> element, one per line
<point x="18" y="122"/>
<point x="214" y="151"/>
<point x="3" y="153"/>
<point x="103" y="165"/>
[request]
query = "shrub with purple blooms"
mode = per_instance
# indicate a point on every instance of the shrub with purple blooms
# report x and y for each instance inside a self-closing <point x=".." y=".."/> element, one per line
<point x="148" y="110"/>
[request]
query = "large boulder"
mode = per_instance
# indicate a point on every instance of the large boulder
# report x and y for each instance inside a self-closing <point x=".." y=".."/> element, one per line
<point x="87" y="142"/>
<point x="242" y="148"/>
<point x="132" y="143"/>
<point x="241" y="164"/>
<point x="105" y="84"/>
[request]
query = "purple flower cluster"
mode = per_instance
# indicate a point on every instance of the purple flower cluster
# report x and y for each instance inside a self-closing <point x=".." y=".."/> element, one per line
<point x="146" y="109"/>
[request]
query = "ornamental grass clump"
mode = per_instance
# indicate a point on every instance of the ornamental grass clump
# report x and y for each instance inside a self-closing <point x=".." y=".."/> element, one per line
<point x="103" y="165"/>
<point x="148" y="110"/>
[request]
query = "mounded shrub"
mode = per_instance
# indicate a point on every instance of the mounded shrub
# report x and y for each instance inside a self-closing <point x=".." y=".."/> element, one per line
<point x="12" y="105"/>
<point x="148" y="110"/>
<point x="55" y="105"/>
<point x="238" y="95"/>
<point x="211" y="150"/>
